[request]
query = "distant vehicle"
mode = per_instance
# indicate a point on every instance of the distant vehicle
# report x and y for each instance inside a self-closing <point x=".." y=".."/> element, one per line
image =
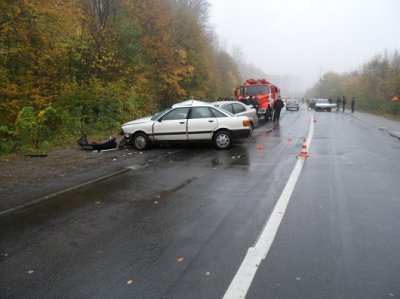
<point x="292" y="104"/>
<point x="239" y="109"/>
<point x="323" y="105"/>
<point x="190" y="121"/>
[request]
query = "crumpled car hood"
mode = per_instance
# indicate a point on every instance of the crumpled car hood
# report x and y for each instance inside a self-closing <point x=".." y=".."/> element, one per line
<point x="138" y="121"/>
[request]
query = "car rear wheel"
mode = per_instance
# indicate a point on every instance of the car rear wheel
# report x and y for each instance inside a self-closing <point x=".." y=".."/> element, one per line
<point x="141" y="141"/>
<point x="222" y="139"/>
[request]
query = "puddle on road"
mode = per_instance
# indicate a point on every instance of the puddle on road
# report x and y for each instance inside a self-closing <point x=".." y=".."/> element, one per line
<point x="216" y="162"/>
<point x="231" y="159"/>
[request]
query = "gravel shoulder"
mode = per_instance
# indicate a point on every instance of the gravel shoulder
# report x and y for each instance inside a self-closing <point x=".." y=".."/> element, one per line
<point x="26" y="178"/>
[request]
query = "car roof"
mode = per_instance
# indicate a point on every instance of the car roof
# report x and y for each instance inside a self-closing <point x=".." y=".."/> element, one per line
<point x="191" y="103"/>
<point x="219" y="103"/>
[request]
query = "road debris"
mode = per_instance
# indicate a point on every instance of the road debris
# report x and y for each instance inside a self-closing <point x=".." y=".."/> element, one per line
<point x="180" y="259"/>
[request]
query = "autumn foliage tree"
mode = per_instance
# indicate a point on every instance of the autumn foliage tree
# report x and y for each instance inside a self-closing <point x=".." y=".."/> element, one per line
<point x="86" y="66"/>
<point x="373" y="86"/>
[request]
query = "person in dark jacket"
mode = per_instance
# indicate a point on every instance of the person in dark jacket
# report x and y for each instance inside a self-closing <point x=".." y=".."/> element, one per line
<point x="344" y="103"/>
<point x="353" y="103"/>
<point x="338" y="103"/>
<point x="256" y="104"/>
<point x="278" y="105"/>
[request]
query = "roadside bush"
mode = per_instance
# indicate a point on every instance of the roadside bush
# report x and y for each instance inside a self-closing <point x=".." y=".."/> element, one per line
<point x="26" y="126"/>
<point x="100" y="109"/>
<point x="6" y="144"/>
<point x="32" y="128"/>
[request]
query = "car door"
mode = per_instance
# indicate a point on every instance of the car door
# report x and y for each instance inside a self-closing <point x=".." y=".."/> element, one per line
<point x="201" y="123"/>
<point x="172" y="126"/>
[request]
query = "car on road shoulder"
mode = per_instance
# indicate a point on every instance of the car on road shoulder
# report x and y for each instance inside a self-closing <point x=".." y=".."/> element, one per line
<point x="239" y="109"/>
<point x="190" y="121"/>
<point x="323" y="105"/>
<point x="292" y="104"/>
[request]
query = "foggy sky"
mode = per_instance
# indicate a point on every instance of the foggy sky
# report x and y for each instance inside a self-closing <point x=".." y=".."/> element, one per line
<point x="307" y="38"/>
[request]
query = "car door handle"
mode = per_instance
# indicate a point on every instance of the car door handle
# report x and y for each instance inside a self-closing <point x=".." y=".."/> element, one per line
<point x="182" y="122"/>
<point x="210" y="121"/>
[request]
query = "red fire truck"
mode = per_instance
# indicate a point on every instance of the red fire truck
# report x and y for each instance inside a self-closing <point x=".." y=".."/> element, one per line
<point x="261" y="91"/>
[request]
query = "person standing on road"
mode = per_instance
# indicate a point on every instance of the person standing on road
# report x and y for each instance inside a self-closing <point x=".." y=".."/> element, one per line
<point x="344" y="103"/>
<point x="256" y="104"/>
<point x="249" y="100"/>
<point x="353" y="103"/>
<point x="278" y="105"/>
<point x="338" y="104"/>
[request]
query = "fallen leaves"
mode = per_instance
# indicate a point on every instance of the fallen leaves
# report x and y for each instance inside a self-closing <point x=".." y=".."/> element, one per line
<point x="180" y="259"/>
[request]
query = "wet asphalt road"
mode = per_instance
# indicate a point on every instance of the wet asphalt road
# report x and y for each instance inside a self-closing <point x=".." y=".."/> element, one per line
<point x="179" y="226"/>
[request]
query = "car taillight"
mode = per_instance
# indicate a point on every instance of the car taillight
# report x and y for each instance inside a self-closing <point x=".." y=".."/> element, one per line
<point x="246" y="123"/>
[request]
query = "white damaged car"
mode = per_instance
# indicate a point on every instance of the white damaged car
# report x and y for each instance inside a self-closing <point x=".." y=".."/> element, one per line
<point x="190" y="121"/>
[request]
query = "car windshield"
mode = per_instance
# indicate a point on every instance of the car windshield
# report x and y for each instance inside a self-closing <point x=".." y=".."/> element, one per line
<point x="158" y="114"/>
<point x="322" y="101"/>
<point x="292" y="101"/>
<point x="254" y="90"/>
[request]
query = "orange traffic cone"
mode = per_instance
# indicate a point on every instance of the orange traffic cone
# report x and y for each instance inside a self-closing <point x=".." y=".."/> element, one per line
<point x="304" y="152"/>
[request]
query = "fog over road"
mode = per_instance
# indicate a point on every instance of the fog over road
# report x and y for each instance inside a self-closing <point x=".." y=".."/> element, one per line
<point x="180" y="226"/>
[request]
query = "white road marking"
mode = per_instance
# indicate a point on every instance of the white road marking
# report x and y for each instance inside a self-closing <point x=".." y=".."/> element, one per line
<point x="247" y="270"/>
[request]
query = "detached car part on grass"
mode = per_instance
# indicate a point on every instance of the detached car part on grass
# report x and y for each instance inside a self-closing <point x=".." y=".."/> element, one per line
<point x="98" y="146"/>
<point x="190" y="121"/>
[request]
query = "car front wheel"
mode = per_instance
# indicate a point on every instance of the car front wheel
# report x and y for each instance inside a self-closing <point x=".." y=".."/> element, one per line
<point x="141" y="141"/>
<point x="251" y="129"/>
<point x="222" y="139"/>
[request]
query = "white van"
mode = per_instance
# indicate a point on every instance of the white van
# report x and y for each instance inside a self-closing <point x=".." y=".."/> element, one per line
<point x="292" y="104"/>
